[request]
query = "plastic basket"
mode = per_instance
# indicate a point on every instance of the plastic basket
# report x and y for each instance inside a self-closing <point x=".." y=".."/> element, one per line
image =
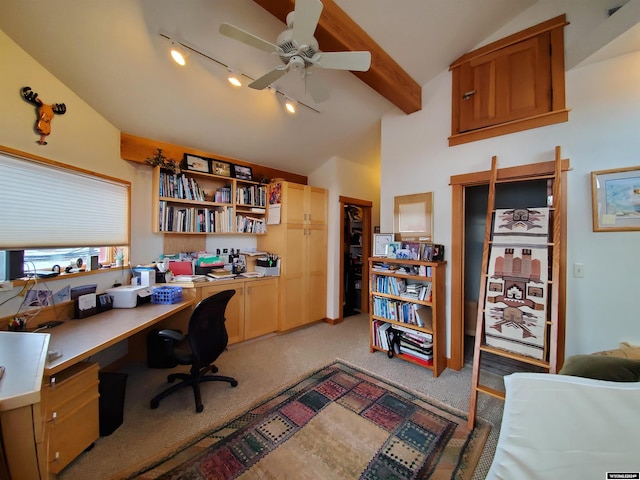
<point x="166" y="295"/>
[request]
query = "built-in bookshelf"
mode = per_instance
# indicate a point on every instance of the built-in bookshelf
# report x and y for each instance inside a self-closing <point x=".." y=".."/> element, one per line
<point x="407" y="310"/>
<point x="195" y="202"/>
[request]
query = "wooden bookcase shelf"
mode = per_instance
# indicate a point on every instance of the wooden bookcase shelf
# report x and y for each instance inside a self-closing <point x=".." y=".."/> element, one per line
<point x="422" y="317"/>
<point x="199" y="203"/>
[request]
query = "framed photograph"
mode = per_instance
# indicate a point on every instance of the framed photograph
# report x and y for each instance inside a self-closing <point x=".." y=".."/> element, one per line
<point x="615" y="199"/>
<point x="380" y="242"/>
<point x="426" y="251"/>
<point x="392" y="249"/>
<point x="242" y="173"/>
<point x="218" y="167"/>
<point x="197" y="164"/>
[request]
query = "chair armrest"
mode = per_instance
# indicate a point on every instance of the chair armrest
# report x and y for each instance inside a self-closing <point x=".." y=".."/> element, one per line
<point x="172" y="334"/>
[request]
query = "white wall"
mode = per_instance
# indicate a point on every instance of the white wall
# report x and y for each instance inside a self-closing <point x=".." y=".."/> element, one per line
<point x="348" y="179"/>
<point x="602" y="133"/>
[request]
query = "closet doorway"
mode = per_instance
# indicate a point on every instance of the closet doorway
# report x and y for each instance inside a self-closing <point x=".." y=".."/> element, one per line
<point x="469" y="203"/>
<point x="355" y="249"/>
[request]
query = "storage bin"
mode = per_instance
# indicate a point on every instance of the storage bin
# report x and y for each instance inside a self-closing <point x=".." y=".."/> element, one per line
<point x="166" y="295"/>
<point x="268" y="271"/>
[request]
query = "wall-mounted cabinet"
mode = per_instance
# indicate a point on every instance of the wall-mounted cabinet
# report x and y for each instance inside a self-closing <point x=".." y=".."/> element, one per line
<point x="510" y="85"/>
<point x="201" y="203"/>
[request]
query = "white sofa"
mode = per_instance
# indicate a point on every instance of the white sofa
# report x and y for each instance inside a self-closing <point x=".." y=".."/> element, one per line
<point x="565" y="427"/>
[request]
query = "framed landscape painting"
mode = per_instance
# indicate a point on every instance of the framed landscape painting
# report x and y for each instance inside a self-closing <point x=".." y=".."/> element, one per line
<point x="615" y="197"/>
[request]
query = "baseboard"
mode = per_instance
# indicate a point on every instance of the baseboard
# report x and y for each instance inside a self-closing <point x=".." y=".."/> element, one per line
<point x="333" y="321"/>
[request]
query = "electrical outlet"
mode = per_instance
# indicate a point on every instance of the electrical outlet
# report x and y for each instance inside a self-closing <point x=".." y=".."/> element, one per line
<point x="578" y="270"/>
<point x="6" y="285"/>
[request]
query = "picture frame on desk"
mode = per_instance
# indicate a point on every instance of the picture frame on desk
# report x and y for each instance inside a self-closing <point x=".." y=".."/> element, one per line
<point x="195" y="163"/>
<point x="242" y="172"/>
<point x="220" y="168"/>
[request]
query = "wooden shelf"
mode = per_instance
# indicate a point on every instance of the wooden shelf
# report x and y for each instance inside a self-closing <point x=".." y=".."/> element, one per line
<point x="436" y="327"/>
<point x="206" y="217"/>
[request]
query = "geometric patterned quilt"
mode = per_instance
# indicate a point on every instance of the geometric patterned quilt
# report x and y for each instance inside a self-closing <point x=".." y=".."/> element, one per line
<point x="518" y="271"/>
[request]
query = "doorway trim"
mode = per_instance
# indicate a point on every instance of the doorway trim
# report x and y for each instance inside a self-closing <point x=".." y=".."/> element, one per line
<point x="367" y="236"/>
<point x="458" y="184"/>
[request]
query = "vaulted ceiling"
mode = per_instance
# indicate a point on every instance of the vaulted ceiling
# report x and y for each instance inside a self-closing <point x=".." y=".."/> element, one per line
<point x="111" y="54"/>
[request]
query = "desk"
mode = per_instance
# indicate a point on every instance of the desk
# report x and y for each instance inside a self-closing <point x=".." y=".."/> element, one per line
<point x="23" y="355"/>
<point x="61" y="421"/>
<point x="79" y="339"/>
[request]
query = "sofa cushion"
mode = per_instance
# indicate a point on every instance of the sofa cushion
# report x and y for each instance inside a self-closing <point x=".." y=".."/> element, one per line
<point x="600" y="367"/>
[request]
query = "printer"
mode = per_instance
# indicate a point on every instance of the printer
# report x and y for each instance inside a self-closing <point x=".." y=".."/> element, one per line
<point x="130" y="296"/>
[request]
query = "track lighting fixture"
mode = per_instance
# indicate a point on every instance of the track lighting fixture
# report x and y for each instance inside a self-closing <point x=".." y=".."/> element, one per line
<point x="290" y="105"/>
<point x="179" y="52"/>
<point x="234" y="78"/>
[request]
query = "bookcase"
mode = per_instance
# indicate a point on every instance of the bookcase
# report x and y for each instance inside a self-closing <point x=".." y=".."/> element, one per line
<point x="193" y="202"/>
<point x="407" y="310"/>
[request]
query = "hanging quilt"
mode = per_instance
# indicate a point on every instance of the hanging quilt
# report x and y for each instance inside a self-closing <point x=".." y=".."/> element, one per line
<point x="516" y="294"/>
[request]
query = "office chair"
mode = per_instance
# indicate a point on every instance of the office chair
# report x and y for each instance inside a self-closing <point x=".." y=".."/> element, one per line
<point x="206" y="340"/>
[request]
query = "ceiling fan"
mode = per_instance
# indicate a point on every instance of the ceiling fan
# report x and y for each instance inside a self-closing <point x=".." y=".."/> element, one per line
<point x="298" y="50"/>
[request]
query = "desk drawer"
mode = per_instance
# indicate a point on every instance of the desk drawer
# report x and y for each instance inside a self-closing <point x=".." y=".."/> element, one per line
<point x="70" y="435"/>
<point x="67" y="385"/>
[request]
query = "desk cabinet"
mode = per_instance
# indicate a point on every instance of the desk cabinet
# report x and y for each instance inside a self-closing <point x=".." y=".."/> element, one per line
<point x="70" y="413"/>
<point x="252" y="311"/>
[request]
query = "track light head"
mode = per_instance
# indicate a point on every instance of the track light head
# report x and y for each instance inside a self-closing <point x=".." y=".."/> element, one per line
<point x="290" y="105"/>
<point x="234" y="78"/>
<point x="178" y="54"/>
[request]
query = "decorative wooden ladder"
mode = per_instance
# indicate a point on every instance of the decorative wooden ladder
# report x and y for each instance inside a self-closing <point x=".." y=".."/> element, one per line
<point x="550" y="356"/>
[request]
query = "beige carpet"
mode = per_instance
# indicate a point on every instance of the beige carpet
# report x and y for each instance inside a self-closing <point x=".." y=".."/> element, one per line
<point x="261" y="366"/>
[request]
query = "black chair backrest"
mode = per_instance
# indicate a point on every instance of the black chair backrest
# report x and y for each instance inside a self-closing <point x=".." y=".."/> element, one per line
<point x="207" y="333"/>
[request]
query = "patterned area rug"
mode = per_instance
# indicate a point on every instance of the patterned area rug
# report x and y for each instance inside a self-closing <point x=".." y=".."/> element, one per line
<point x="337" y="423"/>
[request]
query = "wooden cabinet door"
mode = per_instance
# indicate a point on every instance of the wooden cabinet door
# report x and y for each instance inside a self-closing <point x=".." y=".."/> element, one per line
<point x="293" y="279"/>
<point x="506" y="85"/>
<point x="316" y="206"/>
<point x="234" y="312"/>
<point x="293" y="203"/>
<point x="260" y="307"/>
<point x="316" y="275"/>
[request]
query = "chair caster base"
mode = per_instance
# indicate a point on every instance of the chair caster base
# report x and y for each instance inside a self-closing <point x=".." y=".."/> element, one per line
<point x="234" y="383"/>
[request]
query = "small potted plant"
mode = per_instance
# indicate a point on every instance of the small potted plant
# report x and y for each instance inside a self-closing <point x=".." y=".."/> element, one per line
<point x="118" y="255"/>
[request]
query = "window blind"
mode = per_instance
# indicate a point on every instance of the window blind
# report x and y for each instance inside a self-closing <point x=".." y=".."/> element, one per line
<point x="46" y="205"/>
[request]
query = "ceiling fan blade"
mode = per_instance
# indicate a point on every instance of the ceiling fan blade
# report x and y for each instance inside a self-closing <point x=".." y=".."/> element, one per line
<point x="305" y="20"/>
<point x="243" y="36"/>
<point x="357" y="61"/>
<point x="268" y="78"/>
<point x="316" y="88"/>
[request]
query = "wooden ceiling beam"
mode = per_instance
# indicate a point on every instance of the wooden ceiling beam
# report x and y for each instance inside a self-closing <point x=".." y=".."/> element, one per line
<point x="337" y="32"/>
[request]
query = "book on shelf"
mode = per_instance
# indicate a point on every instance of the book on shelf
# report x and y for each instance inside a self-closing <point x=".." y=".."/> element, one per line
<point x="424" y="317"/>
<point x="421" y="361"/>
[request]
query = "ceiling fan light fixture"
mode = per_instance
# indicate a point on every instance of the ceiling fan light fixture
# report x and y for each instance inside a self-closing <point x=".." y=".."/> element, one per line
<point x="290" y="105"/>
<point x="234" y="78"/>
